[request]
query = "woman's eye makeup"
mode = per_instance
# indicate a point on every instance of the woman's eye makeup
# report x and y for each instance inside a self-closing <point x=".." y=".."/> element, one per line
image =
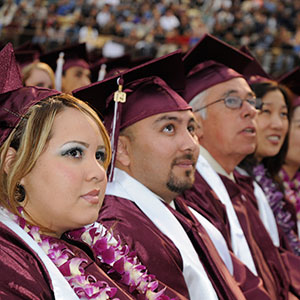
<point x="72" y="150"/>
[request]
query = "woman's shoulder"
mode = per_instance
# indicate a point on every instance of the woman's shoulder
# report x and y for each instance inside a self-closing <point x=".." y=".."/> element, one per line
<point x="22" y="275"/>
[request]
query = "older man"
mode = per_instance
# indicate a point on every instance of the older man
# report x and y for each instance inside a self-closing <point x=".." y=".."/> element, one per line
<point x="225" y="107"/>
<point x="155" y="150"/>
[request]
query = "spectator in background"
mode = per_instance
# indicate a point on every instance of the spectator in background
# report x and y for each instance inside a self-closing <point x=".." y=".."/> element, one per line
<point x="88" y="34"/>
<point x="169" y="21"/>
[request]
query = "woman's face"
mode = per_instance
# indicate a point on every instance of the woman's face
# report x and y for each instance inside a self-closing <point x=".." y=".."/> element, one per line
<point x="293" y="154"/>
<point x="65" y="188"/>
<point x="272" y="125"/>
<point x="39" y="78"/>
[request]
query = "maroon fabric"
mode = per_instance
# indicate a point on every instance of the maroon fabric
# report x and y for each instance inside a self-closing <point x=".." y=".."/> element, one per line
<point x="291" y="80"/>
<point x="26" y="57"/>
<point x="146" y="97"/>
<point x="289" y="259"/>
<point x="15" y="104"/>
<point x="296" y="102"/>
<point x="9" y="71"/>
<point x="23" y="275"/>
<point x="211" y="48"/>
<point x="206" y="75"/>
<point x="254" y="71"/>
<point x="15" y="99"/>
<point x="100" y="94"/>
<point x="75" y="63"/>
<point x="266" y="257"/>
<point x="155" y="250"/>
<point x="210" y="62"/>
<point x="250" y="285"/>
<point x="161" y="256"/>
<point x="202" y="198"/>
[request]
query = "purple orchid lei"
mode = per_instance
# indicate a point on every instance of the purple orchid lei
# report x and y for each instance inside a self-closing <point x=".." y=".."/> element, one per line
<point x="292" y="189"/>
<point x="108" y="250"/>
<point x="276" y="201"/>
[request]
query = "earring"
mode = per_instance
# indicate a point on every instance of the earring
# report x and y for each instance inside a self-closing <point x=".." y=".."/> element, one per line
<point x="20" y="193"/>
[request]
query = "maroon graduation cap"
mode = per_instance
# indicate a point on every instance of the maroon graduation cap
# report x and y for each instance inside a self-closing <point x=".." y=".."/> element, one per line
<point x="26" y="57"/>
<point x="15" y="100"/>
<point x="29" y="46"/>
<point x="74" y="55"/>
<point x="107" y="67"/>
<point x="209" y="62"/>
<point x="150" y="89"/>
<point x="254" y="71"/>
<point x="292" y="81"/>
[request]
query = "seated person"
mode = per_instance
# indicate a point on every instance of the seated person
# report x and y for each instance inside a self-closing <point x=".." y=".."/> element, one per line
<point x="54" y="154"/>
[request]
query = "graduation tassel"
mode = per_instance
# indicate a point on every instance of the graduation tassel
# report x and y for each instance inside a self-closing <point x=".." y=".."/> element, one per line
<point x="102" y="72"/>
<point x="119" y="96"/>
<point x="59" y="70"/>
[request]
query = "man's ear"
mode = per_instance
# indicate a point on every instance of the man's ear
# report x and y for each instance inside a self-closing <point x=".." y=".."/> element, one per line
<point x="123" y="151"/>
<point x="10" y="157"/>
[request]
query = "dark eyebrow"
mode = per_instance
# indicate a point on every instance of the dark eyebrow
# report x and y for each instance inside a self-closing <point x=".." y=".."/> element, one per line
<point x="270" y="103"/>
<point x="167" y="118"/>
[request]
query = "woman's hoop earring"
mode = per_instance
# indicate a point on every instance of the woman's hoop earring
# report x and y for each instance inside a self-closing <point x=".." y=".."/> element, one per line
<point x="20" y="193"/>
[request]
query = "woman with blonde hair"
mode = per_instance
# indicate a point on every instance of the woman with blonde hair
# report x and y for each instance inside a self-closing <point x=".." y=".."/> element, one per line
<point x="38" y="74"/>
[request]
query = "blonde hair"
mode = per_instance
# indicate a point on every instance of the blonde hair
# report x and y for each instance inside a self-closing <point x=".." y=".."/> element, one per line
<point x="27" y="71"/>
<point x="29" y="139"/>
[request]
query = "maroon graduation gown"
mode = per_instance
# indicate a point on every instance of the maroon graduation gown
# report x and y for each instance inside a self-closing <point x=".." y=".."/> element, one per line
<point x="23" y="275"/>
<point x="159" y="253"/>
<point x="290" y="260"/>
<point x="268" y="263"/>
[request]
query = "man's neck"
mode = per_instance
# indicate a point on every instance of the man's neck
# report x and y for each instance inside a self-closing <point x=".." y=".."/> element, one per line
<point x="165" y="197"/>
<point x="217" y="164"/>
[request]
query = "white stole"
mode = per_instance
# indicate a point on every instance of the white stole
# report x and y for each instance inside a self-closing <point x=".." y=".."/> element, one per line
<point x="239" y="243"/>
<point x="265" y="212"/>
<point x="61" y="288"/>
<point x="124" y="186"/>
<point x="217" y="239"/>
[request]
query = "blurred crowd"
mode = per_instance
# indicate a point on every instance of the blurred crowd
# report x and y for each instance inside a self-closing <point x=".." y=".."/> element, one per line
<point x="270" y="28"/>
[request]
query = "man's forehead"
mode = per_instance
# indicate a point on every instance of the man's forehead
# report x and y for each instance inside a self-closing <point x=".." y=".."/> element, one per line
<point x="232" y="86"/>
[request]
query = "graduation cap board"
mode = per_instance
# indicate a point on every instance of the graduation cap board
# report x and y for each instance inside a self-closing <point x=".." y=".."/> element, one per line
<point x="292" y="81"/>
<point x="209" y="62"/>
<point x="26" y="57"/>
<point x="107" y="67"/>
<point x="254" y="71"/>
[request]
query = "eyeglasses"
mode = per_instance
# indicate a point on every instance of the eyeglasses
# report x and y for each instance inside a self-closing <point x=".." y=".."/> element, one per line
<point x="235" y="103"/>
